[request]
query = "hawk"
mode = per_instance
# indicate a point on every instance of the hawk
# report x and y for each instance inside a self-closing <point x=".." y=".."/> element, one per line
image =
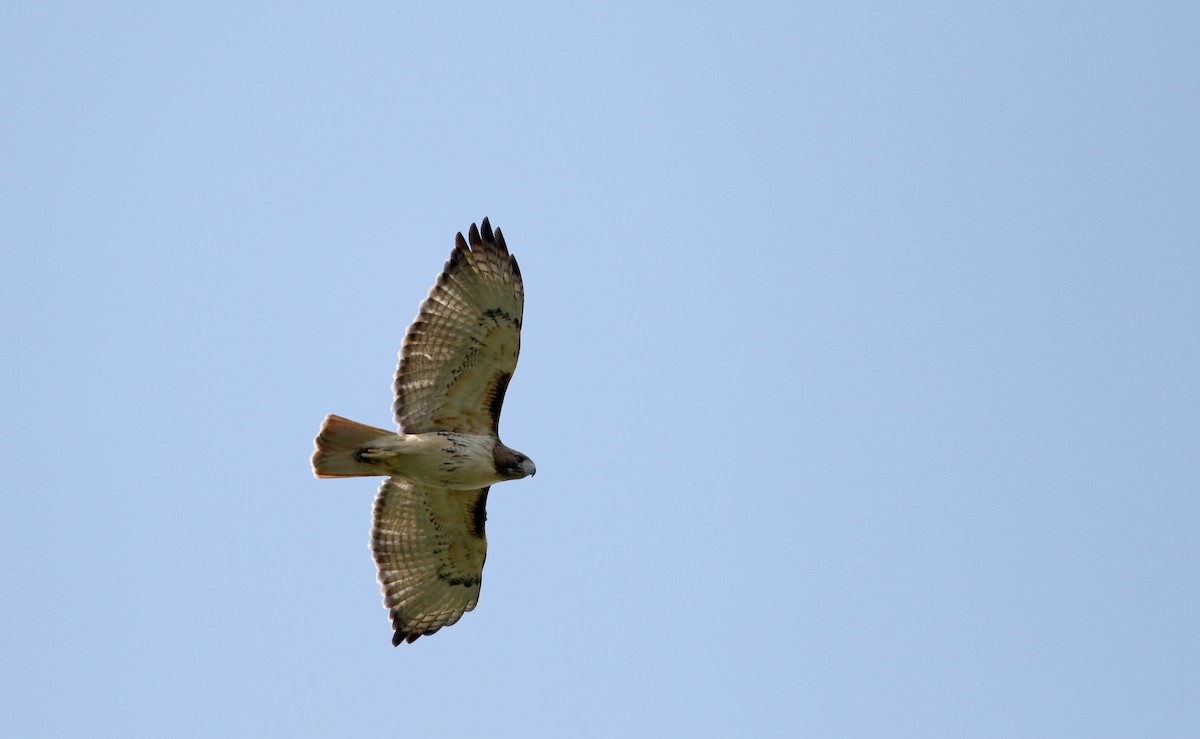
<point x="455" y="364"/>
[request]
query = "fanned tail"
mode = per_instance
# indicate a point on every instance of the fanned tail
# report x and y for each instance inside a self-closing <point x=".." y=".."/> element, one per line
<point x="338" y="445"/>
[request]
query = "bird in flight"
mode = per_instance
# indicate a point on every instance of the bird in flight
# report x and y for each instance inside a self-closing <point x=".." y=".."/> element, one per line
<point x="427" y="535"/>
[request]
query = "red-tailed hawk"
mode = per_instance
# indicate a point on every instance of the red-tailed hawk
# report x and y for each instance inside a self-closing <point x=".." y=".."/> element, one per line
<point x="455" y="364"/>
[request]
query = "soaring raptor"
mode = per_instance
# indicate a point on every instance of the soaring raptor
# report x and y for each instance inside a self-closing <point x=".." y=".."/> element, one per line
<point x="455" y="364"/>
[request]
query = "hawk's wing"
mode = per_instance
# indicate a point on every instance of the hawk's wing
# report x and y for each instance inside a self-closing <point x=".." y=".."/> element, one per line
<point x="461" y="350"/>
<point x="429" y="545"/>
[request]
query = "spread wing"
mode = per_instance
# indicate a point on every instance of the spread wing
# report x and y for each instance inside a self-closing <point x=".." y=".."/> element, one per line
<point x="429" y="545"/>
<point x="461" y="350"/>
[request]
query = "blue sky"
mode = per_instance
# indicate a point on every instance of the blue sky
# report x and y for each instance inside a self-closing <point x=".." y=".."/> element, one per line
<point x="860" y="365"/>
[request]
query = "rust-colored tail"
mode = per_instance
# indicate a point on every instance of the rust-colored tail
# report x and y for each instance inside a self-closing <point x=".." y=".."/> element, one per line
<point x="338" y="444"/>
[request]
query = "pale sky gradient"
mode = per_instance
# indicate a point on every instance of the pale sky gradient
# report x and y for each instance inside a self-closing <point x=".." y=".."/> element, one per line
<point x="861" y="365"/>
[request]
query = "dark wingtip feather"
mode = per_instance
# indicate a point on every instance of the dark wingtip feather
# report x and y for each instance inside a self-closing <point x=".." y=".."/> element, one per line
<point x="474" y="236"/>
<point x="402" y="636"/>
<point x="486" y="227"/>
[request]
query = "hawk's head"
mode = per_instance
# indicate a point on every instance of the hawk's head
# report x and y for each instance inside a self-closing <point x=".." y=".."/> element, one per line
<point x="511" y="464"/>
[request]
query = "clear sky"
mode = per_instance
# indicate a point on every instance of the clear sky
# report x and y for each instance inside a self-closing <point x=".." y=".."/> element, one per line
<point x="861" y="365"/>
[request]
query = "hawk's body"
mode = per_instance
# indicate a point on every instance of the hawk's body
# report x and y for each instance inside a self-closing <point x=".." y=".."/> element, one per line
<point x="455" y="364"/>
